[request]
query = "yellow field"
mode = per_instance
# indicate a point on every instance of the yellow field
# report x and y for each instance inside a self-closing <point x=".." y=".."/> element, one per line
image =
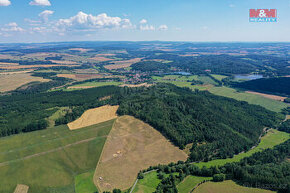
<point x="80" y="77"/>
<point x="20" y="188"/>
<point x="227" y="187"/>
<point x="132" y="146"/>
<point x="122" y="64"/>
<point x="94" y="116"/>
<point x="9" y="82"/>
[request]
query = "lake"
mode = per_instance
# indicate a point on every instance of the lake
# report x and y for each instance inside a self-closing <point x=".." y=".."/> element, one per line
<point x="248" y="76"/>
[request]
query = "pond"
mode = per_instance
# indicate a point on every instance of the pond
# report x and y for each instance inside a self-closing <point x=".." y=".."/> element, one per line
<point x="248" y="76"/>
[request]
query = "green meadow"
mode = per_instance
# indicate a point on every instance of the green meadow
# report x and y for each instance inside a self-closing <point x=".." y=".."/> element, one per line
<point x="84" y="183"/>
<point x="190" y="182"/>
<point x="49" y="160"/>
<point x="270" y="104"/>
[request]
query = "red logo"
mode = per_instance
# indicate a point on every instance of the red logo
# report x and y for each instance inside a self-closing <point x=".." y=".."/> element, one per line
<point x="263" y="13"/>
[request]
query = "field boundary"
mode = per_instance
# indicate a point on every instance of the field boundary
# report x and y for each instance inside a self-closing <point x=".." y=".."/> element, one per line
<point x="50" y="151"/>
<point x="102" y="154"/>
<point x="55" y="139"/>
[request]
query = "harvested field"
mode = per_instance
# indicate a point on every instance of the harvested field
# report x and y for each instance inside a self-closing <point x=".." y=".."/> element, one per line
<point x="227" y="187"/>
<point x="94" y="116"/>
<point x="3" y="56"/>
<point x="10" y="82"/>
<point x="132" y="146"/>
<point x="122" y="64"/>
<point x="14" y="72"/>
<point x="269" y="96"/>
<point x="80" y="76"/>
<point x="101" y="58"/>
<point x="20" y="188"/>
<point x="63" y="62"/>
<point x="13" y="67"/>
<point x="6" y="63"/>
<point x="86" y="71"/>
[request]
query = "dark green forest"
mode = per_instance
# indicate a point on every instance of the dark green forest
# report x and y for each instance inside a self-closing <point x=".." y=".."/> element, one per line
<point x="24" y="112"/>
<point x="218" y="127"/>
<point x="278" y="86"/>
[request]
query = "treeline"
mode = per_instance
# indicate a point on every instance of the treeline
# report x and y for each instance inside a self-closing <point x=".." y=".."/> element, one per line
<point x="36" y="87"/>
<point x="285" y="126"/>
<point x="27" y="62"/>
<point x="280" y="86"/>
<point x="218" y="127"/>
<point x="24" y="112"/>
<point x="267" y="170"/>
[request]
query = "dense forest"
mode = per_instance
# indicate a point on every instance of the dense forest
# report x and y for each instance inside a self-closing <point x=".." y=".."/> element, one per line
<point x="24" y="112"/>
<point x="285" y="126"/>
<point x="278" y="86"/>
<point x="218" y="127"/>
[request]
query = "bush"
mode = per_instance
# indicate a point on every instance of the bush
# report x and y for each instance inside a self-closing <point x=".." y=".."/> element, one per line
<point x="219" y="177"/>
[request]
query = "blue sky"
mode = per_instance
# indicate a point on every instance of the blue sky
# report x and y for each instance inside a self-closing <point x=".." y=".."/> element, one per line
<point x="139" y="20"/>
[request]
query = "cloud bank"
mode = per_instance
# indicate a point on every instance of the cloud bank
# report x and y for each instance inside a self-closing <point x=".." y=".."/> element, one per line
<point x="5" y="2"/>
<point x="40" y="3"/>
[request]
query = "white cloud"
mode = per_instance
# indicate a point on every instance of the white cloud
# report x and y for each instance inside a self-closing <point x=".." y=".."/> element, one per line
<point x="45" y="14"/>
<point x="5" y="2"/>
<point x="88" y="22"/>
<point x="40" y="3"/>
<point x="232" y="6"/>
<point x="163" y="27"/>
<point x="12" y="27"/>
<point x="143" y="21"/>
<point x="147" y="27"/>
<point x="204" y="27"/>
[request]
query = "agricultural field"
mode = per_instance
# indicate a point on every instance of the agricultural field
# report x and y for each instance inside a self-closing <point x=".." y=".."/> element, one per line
<point x="190" y="182"/>
<point x="84" y="183"/>
<point x="9" y="82"/>
<point x="94" y="116"/>
<point x="80" y="77"/>
<point x="227" y="187"/>
<point x="148" y="184"/>
<point x="269" y="96"/>
<point x="219" y="77"/>
<point x="21" y="188"/>
<point x="132" y="146"/>
<point x="270" y="104"/>
<point x="48" y="160"/>
<point x="92" y="85"/>
<point x="271" y="139"/>
<point x="122" y="64"/>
